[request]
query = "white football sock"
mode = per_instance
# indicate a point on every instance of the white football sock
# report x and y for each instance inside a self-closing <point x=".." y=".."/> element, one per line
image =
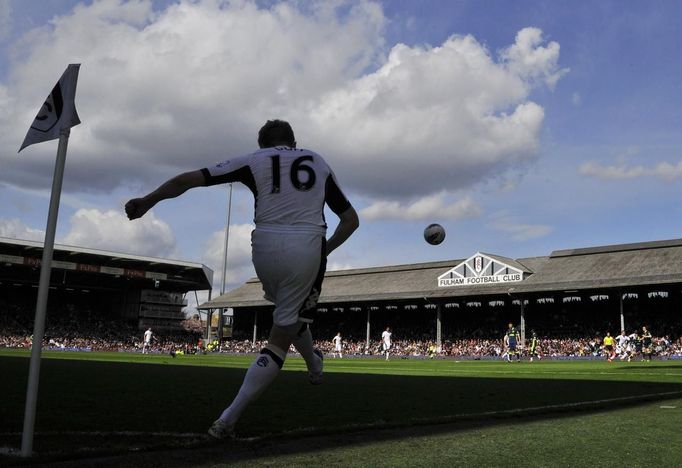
<point x="259" y="376"/>
<point x="304" y="345"/>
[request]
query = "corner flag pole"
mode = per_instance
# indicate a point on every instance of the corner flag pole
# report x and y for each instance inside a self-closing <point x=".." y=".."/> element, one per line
<point x="43" y="289"/>
<point x="54" y="120"/>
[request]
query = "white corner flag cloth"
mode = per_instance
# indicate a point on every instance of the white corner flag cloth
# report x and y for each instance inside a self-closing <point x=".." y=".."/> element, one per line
<point x="58" y="111"/>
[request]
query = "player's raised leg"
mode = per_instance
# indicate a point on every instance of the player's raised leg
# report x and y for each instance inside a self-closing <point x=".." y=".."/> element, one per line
<point x="259" y="376"/>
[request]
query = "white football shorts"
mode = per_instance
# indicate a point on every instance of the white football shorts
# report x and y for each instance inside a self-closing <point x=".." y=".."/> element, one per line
<point x="290" y="266"/>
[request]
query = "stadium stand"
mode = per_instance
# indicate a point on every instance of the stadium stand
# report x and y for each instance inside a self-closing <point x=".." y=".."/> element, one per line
<point x="95" y="305"/>
<point x="97" y="299"/>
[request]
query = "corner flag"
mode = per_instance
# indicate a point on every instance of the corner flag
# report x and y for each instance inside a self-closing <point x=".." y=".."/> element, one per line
<point x="54" y="120"/>
<point x="58" y="112"/>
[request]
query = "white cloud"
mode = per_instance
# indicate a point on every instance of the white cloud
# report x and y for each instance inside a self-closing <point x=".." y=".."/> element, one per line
<point x="449" y="115"/>
<point x="111" y="230"/>
<point x="169" y="90"/>
<point x="15" y="229"/>
<point x="239" y="266"/>
<point x="338" y="266"/>
<point x="622" y="171"/>
<point x="178" y="89"/>
<point x="519" y="231"/>
<point x="530" y="59"/>
<point x="433" y="207"/>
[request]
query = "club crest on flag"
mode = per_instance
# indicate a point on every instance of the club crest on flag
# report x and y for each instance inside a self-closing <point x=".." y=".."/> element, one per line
<point x="58" y="112"/>
<point x="49" y="114"/>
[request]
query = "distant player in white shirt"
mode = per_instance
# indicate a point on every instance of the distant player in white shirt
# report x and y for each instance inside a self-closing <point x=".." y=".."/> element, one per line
<point x="289" y="249"/>
<point x="147" y="341"/>
<point x="386" y="341"/>
<point x="622" y="341"/>
<point x="337" y="340"/>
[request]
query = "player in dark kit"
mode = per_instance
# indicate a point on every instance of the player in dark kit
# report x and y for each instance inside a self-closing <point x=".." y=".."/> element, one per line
<point x="636" y="337"/>
<point x="534" y="346"/>
<point x="647" y="344"/>
<point x="511" y="341"/>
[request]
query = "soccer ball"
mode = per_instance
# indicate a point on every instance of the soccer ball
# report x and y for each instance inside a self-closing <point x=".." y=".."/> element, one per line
<point x="434" y="234"/>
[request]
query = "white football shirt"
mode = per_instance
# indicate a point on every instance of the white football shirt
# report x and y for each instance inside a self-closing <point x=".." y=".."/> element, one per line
<point x="622" y="340"/>
<point x="290" y="187"/>
<point x="386" y="337"/>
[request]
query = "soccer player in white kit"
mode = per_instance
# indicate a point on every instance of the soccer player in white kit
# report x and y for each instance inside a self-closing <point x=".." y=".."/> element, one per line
<point x="147" y="343"/>
<point x="386" y="341"/>
<point x="337" y="345"/>
<point x="622" y="341"/>
<point x="289" y="251"/>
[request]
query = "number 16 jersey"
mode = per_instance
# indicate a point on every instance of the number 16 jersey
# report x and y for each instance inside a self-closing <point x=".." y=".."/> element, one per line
<point x="290" y="187"/>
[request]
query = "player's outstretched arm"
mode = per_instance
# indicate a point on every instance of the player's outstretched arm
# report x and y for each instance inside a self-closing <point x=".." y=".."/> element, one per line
<point x="137" y="207"/>
<point x="348" y="223"/>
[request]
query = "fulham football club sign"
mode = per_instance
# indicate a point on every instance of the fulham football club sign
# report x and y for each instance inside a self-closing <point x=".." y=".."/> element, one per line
<point x="480" y="269"/>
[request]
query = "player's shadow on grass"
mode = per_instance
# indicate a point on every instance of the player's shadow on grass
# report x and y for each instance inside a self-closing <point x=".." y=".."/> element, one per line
<point x="157" y="401"/>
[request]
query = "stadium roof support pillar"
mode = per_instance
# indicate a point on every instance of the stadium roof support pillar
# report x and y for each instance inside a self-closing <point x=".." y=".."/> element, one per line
<point x="522" y="322"/>
<point x="255" y="326"/>
<point x="622" y="315"/>
<point x="369" y="311"/>
<point x="438" y="324"/>
<point x="209" y="317"/>
<point x="221" y="321"/>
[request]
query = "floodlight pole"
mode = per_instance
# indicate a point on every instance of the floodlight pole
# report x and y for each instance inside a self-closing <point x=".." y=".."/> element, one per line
<point x="41" y="304"/>
<point x="221" y="317"/>
<point x="227" y="238"/>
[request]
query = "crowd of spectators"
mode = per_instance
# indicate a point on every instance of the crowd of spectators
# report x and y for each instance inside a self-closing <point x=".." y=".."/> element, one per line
<point x="475" y="348"/>
<point x="78" y="328"/>
<point x="564" y="348"/>
<point x="126" y="340"/>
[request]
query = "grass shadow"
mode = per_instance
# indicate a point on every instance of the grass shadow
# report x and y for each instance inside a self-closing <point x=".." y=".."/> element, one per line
<point x="90" y="409"/>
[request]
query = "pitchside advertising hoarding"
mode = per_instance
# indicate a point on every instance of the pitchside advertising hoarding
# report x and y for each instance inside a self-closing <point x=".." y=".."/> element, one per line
<point x="480" y="269"/>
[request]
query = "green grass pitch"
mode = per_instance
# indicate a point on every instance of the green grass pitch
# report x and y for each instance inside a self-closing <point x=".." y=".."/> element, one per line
<point x="369" y="412"/>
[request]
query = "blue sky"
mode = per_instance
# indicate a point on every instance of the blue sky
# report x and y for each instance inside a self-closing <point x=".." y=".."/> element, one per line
<point x="522" y="127"/>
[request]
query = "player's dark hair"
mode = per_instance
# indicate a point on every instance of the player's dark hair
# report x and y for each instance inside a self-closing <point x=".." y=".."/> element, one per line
<point x="276" y="132"/>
